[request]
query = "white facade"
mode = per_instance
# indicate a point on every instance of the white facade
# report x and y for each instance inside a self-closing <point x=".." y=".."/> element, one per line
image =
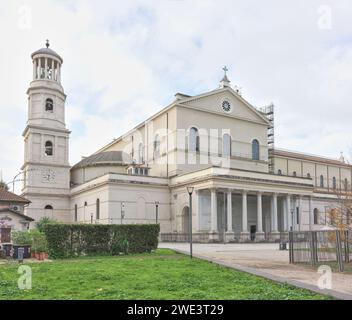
<point x="216" y="142"/>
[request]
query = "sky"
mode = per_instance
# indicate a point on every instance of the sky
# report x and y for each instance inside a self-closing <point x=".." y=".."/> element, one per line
<point x="125" y="60"/>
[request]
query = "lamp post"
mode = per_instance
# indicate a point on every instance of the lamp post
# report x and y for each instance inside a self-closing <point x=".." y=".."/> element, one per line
<point x="122" y="211"/>
<point x="156" y="211"/>
<point x="91" y="218"/>
<point x="190" y="191"/>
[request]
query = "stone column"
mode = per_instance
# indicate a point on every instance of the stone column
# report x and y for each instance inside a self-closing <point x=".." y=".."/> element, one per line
<point x="299" y="212"/>
<point x="287" y="212"/>
<point x="199" y="209"/>
<point x="58" y="72"/>
<point x="229" y="231"/>
<point x="259" y="236"/>
<point x="245" y="236"/>
<point x="34" y="69"/>
<point x="311" y="218"/>
<point x="275" y="234"/>
<point x="214" y="211"/>
<point x="46" y="68"/>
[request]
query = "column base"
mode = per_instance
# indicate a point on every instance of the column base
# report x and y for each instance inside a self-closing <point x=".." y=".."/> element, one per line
<point x="259" y="237"/>
<point x="229" y="236"/>
<point x="213" y="236"/>
<point x="274" y="236"/>
<point x="243" y="237"/>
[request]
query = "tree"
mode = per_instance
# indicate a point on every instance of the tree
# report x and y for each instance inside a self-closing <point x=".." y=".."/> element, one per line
<point x="42" y="222"/>
<point x="340" y="216"/>
<point x="3" y="185"/>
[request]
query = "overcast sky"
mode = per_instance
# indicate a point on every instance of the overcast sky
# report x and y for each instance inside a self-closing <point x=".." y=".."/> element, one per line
<point x="124" y="60"/>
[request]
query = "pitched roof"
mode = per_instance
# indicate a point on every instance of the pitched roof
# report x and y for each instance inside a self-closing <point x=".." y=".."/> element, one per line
<point x="17" y="213"/>
<point x="7" y="196"/>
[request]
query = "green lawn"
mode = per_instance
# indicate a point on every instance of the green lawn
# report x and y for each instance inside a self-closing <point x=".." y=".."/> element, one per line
<point x="163" y="274"/>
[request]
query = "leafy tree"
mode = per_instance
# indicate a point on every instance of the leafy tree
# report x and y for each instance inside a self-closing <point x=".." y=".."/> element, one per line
<point x="3" y="185"/>
<point x="340" y="216"/>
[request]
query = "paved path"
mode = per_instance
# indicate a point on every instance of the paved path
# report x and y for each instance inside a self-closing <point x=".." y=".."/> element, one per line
<point x="267" y="260"/>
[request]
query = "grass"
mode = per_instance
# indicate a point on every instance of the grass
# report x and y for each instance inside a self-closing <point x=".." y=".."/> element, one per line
<point x="163" y="274"/>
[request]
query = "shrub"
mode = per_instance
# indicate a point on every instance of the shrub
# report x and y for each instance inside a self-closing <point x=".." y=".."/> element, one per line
<point x="21" y="238"/>
<point x="71" y="240"/>
<point x="42" y="222"/>
<point x="34" y="238"/>
<point x="39" y="243"/>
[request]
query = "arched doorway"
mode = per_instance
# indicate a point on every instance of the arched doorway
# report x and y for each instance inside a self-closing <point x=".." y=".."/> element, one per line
<point x="185" y="220"/>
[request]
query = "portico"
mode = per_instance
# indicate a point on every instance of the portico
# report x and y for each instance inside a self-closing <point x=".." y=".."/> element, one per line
<point x="233" y="208"/>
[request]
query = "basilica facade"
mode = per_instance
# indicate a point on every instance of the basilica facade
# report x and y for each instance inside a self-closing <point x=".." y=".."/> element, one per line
<point x="215" y="144"/>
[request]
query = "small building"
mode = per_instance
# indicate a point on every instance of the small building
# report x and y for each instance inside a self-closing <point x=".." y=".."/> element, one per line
<point x="12" y="212"/>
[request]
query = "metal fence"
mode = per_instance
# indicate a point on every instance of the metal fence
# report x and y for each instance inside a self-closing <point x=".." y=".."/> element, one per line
<point x="315" y="247"/>
<point x="184" y="237"/>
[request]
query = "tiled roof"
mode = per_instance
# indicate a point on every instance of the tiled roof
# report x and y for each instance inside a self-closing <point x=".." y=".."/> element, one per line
<point x="105" y="158"/>
<point x="18" y="213"/>
<point x="7" y="196"/>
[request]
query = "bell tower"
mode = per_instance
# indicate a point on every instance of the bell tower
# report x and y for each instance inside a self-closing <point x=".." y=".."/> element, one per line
<point x="46" y="167"/>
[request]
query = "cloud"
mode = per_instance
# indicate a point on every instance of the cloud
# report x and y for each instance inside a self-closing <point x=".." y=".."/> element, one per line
<point x="123" y="61"/>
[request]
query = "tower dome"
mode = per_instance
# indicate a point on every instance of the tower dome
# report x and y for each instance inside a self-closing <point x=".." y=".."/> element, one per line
<point x="46" y="64"/>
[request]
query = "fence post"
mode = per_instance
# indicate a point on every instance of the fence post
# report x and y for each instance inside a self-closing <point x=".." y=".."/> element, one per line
<point x="290" y="239"/>
<point x="311" y="247"/>
<point x="346" y="247"/>
<point x="339" y="251"/>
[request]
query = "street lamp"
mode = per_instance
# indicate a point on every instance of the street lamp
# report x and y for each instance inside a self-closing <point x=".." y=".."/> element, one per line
<point x="91" y="218"/>
<point x="156" y="211"/>
<point x="122" y="211"/>
<point x="190" y="191"/>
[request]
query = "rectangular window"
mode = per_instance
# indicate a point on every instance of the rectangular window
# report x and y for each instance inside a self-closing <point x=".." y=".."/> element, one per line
<point x="76" y="213"/>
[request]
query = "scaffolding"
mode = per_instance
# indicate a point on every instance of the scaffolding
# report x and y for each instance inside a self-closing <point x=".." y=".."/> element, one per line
<point x="269" y="113"/>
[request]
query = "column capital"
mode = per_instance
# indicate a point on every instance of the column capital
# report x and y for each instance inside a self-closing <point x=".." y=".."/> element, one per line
<point x="259" y="193"/>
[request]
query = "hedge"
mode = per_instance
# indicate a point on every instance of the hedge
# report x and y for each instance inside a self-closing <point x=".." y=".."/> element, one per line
<point x="73" y="240"/>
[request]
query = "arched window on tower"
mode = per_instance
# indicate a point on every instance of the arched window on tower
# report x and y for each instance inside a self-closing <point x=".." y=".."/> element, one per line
<point x="193" y="140"/>
<point x="49" y="148"/>
<point x="255" y="150"/>
<point x="97" y="209"/>
<point x="321" y="181"/>
<point x="157" y="147"/>
<point x="49" y="105"/>
<point x="48" y="210"/>
<point x="226" y="145"/>
<point x="334" y="183"/>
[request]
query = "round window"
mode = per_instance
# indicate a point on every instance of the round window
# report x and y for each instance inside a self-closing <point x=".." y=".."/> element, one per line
<point x="226" y="106"/>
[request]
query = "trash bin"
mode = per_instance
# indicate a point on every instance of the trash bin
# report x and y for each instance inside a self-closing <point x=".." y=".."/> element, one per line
<point x="283" y="246"/>
<point x="24" y="250"/>
<point x="7" y="249"/>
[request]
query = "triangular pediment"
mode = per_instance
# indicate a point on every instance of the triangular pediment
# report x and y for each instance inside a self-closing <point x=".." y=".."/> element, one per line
<point x="213" y="102"/>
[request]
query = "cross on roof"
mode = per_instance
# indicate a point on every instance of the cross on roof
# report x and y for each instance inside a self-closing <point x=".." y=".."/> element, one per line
<point x="47" y="43"/>
<point x="225" y="69"/>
